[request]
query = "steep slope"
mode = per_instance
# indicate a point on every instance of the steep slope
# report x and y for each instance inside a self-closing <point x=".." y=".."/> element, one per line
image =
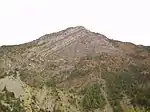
<point x="56" y="52"/>
<point x="66" y="71"/>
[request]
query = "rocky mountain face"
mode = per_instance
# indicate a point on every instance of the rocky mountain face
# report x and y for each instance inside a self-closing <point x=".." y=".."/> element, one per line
<point x="75" y="70"/>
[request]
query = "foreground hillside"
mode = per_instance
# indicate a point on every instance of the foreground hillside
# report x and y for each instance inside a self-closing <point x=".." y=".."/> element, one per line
<point x="75" y="70"/>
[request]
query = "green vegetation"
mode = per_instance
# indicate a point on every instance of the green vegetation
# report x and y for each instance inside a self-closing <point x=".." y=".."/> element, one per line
<point x="51" y="82"/>
<point x="114" y="91"/>
<point x="132" y="83"/>
<point x="138" y="110"/>
<point x="2" y="74"/>
<point x="8" y="102"/>
<point x="93" y="98"/>
<point x="147" y="48"/>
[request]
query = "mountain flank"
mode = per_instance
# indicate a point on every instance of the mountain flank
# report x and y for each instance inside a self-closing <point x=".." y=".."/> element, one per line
<point x="75" y="70"/>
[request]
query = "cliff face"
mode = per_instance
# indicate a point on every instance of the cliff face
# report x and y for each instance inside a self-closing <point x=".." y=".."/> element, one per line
<point x="93" y="71"/>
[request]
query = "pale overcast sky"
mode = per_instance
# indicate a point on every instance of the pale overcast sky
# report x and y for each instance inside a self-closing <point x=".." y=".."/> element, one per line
<point x="25" y="20"/>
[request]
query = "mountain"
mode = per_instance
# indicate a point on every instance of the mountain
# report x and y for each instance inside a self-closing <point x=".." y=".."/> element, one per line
<point x="75" y="70"/>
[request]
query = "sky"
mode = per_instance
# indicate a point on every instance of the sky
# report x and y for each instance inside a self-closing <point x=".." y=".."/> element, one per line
<point x="26" y="20"/>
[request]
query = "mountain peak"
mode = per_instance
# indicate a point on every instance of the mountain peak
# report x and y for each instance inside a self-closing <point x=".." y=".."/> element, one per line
<point x="79" y="27"/>
<point x="60" y="70"/>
